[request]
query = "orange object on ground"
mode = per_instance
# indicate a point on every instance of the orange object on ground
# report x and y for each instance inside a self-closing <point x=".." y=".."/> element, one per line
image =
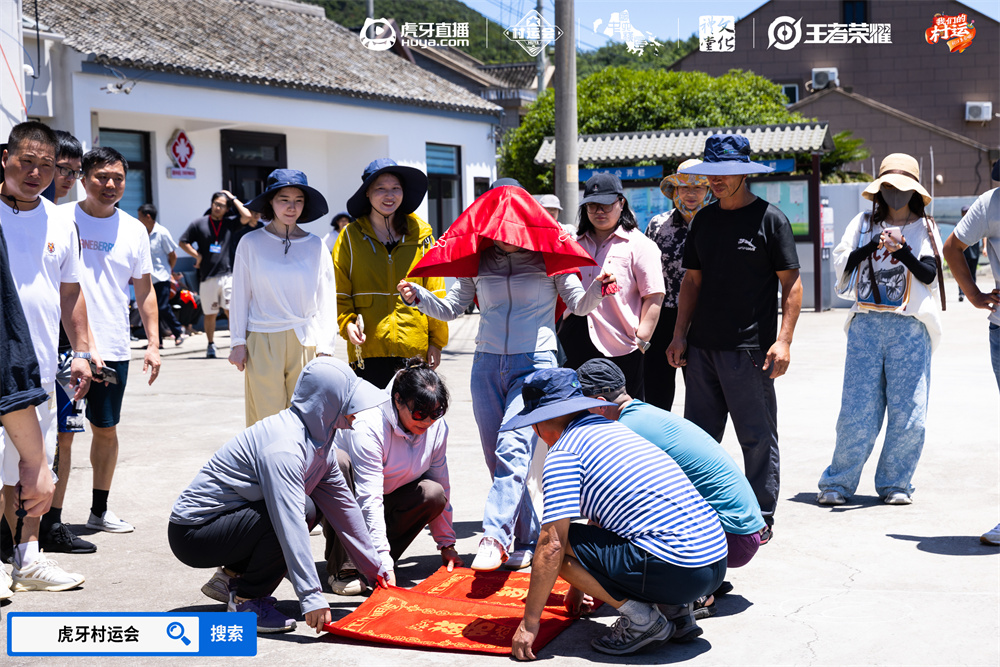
<point x="460" y="610"/>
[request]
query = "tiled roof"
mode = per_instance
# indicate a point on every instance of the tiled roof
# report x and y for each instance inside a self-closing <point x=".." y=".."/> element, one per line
<point x="514" y="75"/>
<point x="676" y="144"/>
<point x="270" y="42"/>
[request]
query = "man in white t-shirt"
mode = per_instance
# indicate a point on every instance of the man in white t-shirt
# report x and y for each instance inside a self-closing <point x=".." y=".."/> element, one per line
<point x="43" y="251"/>
<point x="115" y="249"/>
<point x="163" y="252"/>
<point x="982" y="221"/>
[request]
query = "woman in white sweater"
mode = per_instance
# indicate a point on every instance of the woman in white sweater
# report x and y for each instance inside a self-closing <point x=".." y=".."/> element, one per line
<point x="283" y="310"/>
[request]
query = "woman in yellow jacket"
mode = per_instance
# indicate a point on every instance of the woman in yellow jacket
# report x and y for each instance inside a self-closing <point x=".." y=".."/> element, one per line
<point x="370" y="257"/>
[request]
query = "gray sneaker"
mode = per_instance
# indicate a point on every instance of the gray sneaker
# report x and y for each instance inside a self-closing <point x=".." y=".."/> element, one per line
<point x="682" y="616"/>
<point x="210" y="351"/>
<point x="624" y="639"/>
<point x="218" y="586"/>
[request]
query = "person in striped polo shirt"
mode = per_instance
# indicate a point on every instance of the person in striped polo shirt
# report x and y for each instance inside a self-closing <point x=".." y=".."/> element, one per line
<point x="652" y="544"/>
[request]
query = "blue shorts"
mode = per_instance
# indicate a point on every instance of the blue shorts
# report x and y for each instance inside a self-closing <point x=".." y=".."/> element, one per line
<point x="104" y="403"/>
<point x="67" y="411"/>
<point x="629" y="572"/>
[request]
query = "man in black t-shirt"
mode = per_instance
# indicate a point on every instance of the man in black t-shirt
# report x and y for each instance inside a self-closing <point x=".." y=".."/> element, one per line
<point x="213" y="234"/>
<point x="738" y="251"/>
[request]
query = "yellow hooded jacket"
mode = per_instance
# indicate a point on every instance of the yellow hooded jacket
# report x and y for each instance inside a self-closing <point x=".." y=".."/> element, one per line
<point x="367" y="275"/>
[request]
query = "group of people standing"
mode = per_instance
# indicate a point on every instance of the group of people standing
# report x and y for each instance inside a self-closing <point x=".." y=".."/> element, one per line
<point x="361" y="448"/>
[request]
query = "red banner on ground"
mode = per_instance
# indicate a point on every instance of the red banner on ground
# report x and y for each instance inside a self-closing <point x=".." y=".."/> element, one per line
<point x="461" y="610"/>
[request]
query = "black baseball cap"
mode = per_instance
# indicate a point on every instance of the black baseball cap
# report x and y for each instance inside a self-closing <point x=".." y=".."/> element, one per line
<point x="604" y="188"/>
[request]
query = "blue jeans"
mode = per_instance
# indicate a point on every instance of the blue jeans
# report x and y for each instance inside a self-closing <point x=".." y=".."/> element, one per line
<point x="496" y="397"/>
<point x="888" y="371"/>
<point x="995" y="350"/>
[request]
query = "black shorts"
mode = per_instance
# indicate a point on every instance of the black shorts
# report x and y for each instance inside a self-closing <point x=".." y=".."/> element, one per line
<point x="104" y="402"/>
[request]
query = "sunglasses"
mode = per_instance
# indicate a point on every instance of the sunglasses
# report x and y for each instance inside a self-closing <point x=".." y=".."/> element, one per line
<point x="606" y="208"/>
<point x="423" y="414"/>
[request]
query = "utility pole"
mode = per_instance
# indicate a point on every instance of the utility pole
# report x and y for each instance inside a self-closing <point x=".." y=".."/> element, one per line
<point x="567" y="182"/>
<point x="541" y="58"/>
<point x="370" y="12"/>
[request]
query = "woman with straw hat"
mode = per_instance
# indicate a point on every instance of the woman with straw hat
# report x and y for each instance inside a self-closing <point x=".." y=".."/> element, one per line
<point x="689" y="193"/>
<point x="890" y="259"/>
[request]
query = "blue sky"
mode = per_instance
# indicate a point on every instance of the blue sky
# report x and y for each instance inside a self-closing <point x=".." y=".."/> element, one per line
<point x="660" y="17"/>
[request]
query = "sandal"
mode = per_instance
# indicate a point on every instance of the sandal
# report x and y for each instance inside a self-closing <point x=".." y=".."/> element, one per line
<point x="702" y="610"/>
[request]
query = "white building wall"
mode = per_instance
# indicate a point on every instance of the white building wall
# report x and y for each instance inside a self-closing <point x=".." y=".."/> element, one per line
<point x="331" y="141"/>
<point x="11" y="88"/>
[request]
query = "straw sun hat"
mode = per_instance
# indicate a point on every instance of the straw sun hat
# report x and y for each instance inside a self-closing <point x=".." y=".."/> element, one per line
<point x="902" y="172"/>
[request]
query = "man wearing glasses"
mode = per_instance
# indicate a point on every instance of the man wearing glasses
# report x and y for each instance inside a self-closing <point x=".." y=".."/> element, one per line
<point x="69" y="160"/>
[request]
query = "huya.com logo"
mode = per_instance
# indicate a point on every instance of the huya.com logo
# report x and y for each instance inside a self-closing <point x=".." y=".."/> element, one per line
<point x="382" y="36"/>
<point x="435" y="34"/>
<point x="785" y="33"/>
<point x="533" y="33"/>
<point x="956" y="31"/>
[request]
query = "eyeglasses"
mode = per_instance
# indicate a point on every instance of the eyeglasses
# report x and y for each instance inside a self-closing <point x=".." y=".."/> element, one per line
<point x="606" y="208"/>
<point x="66" y="172"/>
<point x="423" y="414"/>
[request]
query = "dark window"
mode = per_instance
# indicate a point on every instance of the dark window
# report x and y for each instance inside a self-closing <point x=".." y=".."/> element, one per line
<point x="248" y="158"/>
<point x="134" y="147"/>
<point x="791" y="91"/>
<point x="479" y="186"/>
<point x="855" y="11"/>
<point x="444" y="193"/>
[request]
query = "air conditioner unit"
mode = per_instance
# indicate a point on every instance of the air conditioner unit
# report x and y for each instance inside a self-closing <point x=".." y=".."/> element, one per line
<point x="823" y="77"/>
<point x="978" y="111"/>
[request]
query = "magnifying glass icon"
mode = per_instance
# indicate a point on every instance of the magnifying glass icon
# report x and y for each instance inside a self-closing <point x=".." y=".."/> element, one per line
<point x="176" y="631"/>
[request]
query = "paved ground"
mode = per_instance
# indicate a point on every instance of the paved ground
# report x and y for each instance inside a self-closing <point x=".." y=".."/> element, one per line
<point x="861" y="584"/>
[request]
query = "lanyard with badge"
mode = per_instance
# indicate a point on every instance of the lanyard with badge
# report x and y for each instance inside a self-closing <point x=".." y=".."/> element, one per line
<point x="216" y="246"/>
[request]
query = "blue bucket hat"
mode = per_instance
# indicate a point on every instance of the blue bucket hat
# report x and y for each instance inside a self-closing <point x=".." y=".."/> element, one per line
<point x="550" y="393"/>
<point x="414" y="184"/>
<point x="315" y="207"/>
<point x="726" y="155"/>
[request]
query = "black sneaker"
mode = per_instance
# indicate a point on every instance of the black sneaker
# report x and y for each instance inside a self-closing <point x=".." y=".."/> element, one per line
<point x="766" y="533"/>
<point x="60" y="538"/>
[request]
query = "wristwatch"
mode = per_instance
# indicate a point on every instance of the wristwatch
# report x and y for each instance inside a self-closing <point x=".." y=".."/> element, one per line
<point x="643" y="345"/>
<point x="81" y="355"/>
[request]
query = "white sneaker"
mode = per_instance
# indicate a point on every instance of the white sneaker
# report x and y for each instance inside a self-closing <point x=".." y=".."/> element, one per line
<point x="992" y="538"/>
<point x="44" y="574"/>
<point x="109" y="523"/>
<point x="217" y="587"/>
<point x="5" y="584"/>
<point x="897" y="498"/>
<point x="519" y="559"/>
<point x="830" y="497"/>
<point x="347" y="582"/>
<point x="490" y="556"/>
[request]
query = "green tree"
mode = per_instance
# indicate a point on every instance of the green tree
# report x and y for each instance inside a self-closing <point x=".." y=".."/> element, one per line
<point x="621" y="99"/>
<point x="351" y="14"/>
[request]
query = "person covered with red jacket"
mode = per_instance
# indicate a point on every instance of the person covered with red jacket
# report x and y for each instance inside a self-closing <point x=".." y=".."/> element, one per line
<point x="512" y="257"/>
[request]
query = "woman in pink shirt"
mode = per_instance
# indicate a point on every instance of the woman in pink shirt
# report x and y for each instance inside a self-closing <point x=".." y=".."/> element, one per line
<point x="620" y="328"/>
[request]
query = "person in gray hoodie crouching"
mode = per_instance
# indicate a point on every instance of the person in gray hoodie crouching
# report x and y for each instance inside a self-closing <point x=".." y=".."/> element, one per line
<point x="250" y="509"/>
